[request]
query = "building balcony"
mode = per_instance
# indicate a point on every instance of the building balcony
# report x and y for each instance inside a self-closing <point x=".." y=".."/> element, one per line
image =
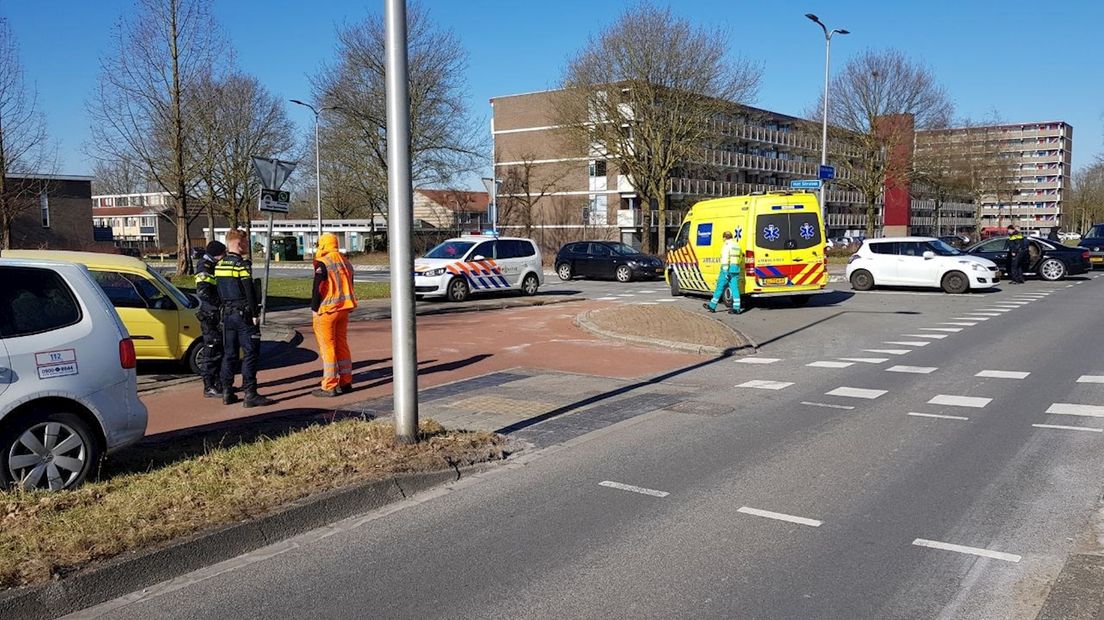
<point x="708" y="188"/>
<point x="633" y="218"/>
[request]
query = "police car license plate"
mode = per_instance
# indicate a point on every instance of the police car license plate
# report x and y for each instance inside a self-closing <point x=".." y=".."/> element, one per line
<point x="774" y="281"/>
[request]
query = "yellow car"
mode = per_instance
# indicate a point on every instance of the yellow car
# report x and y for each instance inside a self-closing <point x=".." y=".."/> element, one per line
<point x="781" y="235"/>
<point x="161" y="319"/>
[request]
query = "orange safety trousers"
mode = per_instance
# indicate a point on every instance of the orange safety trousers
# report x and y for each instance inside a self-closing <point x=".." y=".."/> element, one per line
<point x="331" y="330"/>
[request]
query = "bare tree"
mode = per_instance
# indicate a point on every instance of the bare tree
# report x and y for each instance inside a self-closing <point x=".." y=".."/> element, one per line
<point x="24" y="146"/>
<point x="647" y="93"/>
<point x="162" y="50"/>
<point x="525" y="185"/>
<point x="1086" y="202"/>
<point x="870" y="95"/>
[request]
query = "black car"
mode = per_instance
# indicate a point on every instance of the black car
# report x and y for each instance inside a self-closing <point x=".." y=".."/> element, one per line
<point x="1093" y="241"/>
<point x="955" y="241"/>
<point x="606" y="259"/>
<point x="1049" y="260"/>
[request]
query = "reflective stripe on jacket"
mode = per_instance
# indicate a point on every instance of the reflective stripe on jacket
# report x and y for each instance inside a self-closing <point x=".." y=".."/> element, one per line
<point x="339" y="294"/>
<point x="731" y="254"/>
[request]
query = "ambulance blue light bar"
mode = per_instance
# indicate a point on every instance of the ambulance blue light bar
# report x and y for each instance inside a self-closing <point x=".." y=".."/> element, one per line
<point x="787" y="207"/>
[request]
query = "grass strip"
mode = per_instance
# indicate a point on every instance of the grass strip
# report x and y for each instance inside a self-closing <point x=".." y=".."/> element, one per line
<point x="44" y="535"/>
<point x="289" y="292"/>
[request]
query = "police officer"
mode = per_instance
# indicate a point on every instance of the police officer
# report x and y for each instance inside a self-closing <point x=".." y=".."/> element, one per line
<point x="240" y="321"/>
<point x="210" y="319"/>
<point x="1017" y="254"/>
<point x="731" y="262"/>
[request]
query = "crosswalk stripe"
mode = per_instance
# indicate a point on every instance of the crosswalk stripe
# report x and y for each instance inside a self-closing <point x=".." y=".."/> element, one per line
<point x="1086" y="411"/>
<point x="757" y="360"/>
<point x="829" y="364"/>
<point x="760" y="384"/>
<point x="866" y="360"/>
<point x="851" y="392"/>
<point x="1091" y="379"/>
<point x="908" y="343"/>
<point x="916" y="370"/>
<point x="1002" y="374"/>
<point x="960" y="401"/>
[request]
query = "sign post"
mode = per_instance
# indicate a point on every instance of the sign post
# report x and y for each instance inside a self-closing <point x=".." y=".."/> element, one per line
<point x="272" y="173"/>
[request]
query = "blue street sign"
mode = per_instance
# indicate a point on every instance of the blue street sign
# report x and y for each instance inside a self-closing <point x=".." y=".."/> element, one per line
<point x="827" y="172"/>
<point x="805" y="184"/>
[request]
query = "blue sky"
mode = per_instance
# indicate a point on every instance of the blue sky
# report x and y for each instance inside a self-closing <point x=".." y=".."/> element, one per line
<point x="1026" y="60"/>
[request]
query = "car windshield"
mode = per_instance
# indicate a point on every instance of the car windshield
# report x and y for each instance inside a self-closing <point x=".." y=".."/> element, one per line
<point x="1096" y="232"/>
<point x="943" y="249"/>
<point x="623" y="249"/>
<point x="176" y="294"/>
<point x="450" y="249"/>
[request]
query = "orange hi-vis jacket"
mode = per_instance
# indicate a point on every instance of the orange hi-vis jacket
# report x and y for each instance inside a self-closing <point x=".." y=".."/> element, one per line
<point x="339" y="294"/>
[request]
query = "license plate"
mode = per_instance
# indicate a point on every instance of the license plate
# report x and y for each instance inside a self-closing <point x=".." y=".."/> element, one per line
<point x="775" y="281"/>
<point x="1097" y="259"/>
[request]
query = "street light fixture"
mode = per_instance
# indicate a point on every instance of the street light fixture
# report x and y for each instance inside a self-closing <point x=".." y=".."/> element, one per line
<point x="827" y="62"/>
<point x="317" y="160"/>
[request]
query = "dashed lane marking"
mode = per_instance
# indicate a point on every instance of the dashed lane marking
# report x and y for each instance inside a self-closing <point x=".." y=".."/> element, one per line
<point x="757" y="360"/>
<point x="974" y="315"/>
<point x="1002" y="374"/>
<point x="760" y="384"/>
<point x="888" y="351"/>
<point x="827" y="405"/>
<point x="916" y="370"/>
<point x="935" y="336"/>
<point x="1000" y="310"/>
<point x="985" y="553"/>
<point x="626" y="295"/>
<point x="952" y="330"/>
<point x="829" y="364"/>
<point x="937" y="415"/>
<point x="607" y="299"/>
<point x="967" y="318"/>
<point x="908" y="343"/>
<point x="960" y="401"/>
<point x="632" y="488"/>
<point x="778" y="516"/>
<point x="850" y="392"/>
<point x="866" y="360"/>
<point x="1059" y="427"/>
<point x="960" y="324"/>
<point x="666" y="300"/>
<point x="1085" y="411"/>
<point x="1091" y="379"/>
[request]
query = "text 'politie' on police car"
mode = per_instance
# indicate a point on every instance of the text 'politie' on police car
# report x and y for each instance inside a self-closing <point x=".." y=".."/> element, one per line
<point x="479" y="263"/>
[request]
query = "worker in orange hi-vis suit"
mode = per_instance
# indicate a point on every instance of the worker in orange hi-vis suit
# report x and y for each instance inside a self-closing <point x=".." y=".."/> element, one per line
<point x="332" y="299"/>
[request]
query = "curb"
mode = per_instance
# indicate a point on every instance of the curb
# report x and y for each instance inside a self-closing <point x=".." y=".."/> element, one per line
<point x="583" y="321"/>
<point x="134" y="571"/>
<point x="444" y="308"/>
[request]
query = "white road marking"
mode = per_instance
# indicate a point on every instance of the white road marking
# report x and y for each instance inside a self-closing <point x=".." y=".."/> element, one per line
<point x="888" y="351"/>
<point x="780" y="516"/>
<point x="645" y="303"/>
<point x="960" y="324"/>
<point x="1002" y="374"/>
<point x="626" y="295"/>
<point x="985" y="314"/>
<point x="1013" y="303"/>
<point x="936" y="336"/>
<point x="1059" y="427"/>
<point x="985" y="553"/>
<point x="908" y="343"/>
<point x="866" y="360"/>
<point x="634" y="489"/>
<point x="757" y="360"/>
<point x="668" y="299"/>
<point x="967" y="318"/>
<point x="942" y="329"/>
<point x="830" y="364"/>
<point x="826" y="405"/>
<point x="1091" y="379"/>
<point x="1086" y="411"/>
<point x="1001" y="310"/>
<point x="765" y="385"/>
<point x="916" y="370"/>
<point x="1069" y="286"/>
<point x="960" y="401"/>
<point x="851" y="392"/>
<point x="607" y="299"/>
<point x="938" y="415"/>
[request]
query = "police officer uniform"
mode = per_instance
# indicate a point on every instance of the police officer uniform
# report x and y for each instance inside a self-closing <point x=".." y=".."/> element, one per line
<point x="240" y="309"/>
<point x="1017" y="255"/>
<point x="210" y="319"/>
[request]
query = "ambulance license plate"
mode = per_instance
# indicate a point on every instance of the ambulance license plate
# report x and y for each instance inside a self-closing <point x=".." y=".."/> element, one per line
<point x="774" y="281"/>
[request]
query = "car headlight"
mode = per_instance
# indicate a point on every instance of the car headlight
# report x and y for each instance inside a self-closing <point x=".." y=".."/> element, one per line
<point x="979" y="267"/>
<point x="432" y="273"/>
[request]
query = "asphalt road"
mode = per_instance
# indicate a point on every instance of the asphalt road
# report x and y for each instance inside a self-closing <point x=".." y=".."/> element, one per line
<point x="860" y="466"/>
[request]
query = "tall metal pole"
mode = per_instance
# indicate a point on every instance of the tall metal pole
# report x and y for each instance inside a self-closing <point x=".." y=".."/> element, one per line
<point x="317" y="177"/>
<point x="400" y="222"/>
<point x="824" y="129"/>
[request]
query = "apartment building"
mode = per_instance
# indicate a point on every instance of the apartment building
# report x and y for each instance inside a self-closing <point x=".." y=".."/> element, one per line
<point x="146" y="221"/>
<point x="1035" y="158"/>
<point x="569" y="188"/>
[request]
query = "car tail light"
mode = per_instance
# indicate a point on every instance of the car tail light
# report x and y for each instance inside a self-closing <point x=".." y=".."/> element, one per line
<point x="749" y="264"/>
<point x="127" y="357"/>
<point x="1085" y="255"/>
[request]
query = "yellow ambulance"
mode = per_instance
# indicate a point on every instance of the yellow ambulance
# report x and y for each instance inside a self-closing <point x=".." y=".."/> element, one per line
<point x="781" y="235"/>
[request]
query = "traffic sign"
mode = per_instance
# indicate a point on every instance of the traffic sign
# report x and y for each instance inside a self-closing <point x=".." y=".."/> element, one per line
<point x="805" y="184"/>
<point x="827" y="173"/>
<point x="274" y="201"/>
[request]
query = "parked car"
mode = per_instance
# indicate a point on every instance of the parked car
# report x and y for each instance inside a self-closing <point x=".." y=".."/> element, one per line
<point x="606" y="259"/>
<point x="478" y="264"/>
<point x="67" y="379"/>
<point x="920" y="262"/>
<point x="1050" y="261"/>
<point x="956" y="241"/>
<point x="161" y="319"/>
<point x="1093" y="241"/>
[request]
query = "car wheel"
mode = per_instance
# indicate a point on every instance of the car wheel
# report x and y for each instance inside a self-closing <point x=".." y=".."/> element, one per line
<point x="955" y="283"/>
<point x="564" y="271"/>
<point x="1052" y="269"/>
<point x="196" y="356"/>
<point x="675" y="290"/>
<point x="457" y="290"/>
<point x="862" y="280"/>
<point x="47" y="452"/>
<point x="530" y="284"/>
<point x="623" y="274"/>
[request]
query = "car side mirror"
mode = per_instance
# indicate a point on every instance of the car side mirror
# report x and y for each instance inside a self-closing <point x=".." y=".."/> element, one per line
<point x="479" y="257"/>
<point x="929" y="255"/>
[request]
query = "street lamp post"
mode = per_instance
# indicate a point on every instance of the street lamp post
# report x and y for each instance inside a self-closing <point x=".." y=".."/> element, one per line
<point x="824" y="130"/>
<point x="317" y="161"/>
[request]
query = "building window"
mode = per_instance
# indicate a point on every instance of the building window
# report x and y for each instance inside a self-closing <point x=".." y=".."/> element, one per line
<point x="598" y="168"/>
<point x="44" y="208"/>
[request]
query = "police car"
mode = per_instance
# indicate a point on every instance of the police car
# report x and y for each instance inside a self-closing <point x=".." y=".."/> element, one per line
<point x="483" y="263"/>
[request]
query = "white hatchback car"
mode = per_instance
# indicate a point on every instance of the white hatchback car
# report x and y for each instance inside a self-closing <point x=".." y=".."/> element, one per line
<point x="920" y="262"/>
<point x="479" y="264"/>
<point x="68" y="388"/>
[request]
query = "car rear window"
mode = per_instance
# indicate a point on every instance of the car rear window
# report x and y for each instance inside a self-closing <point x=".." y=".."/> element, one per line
<point x="788" y="231"/>
<point x="34" y="301"/>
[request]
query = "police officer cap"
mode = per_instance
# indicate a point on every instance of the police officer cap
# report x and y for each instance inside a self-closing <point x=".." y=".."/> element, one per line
<point x="215" y="248"/>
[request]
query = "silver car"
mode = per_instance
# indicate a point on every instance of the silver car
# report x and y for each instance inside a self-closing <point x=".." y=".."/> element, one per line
<point x="68" y="387"/>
